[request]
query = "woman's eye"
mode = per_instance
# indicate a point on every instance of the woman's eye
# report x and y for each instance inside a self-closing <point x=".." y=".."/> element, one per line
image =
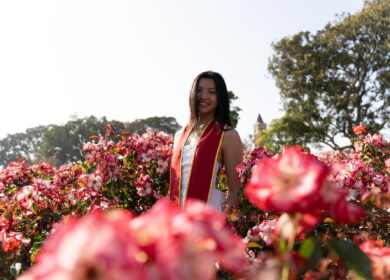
<point x="207" y="92"/>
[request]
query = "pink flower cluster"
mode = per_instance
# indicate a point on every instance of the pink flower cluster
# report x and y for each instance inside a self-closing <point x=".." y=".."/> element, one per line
<point x="101" y="156"/>
<point x="364" y="172"/>
<point x="164" y="243"/>
<point x="251" y="159"/>
<point x="299" y="189"/>
<point x="152" y="149"/>
<point x="263" y="231"/>
<point x="16" y="172"/>
<point x="376" y="140"/>
<point x="28" y="192"/>
<point x="332" y="157"/>
<point x="154" y="152"/>
<point x="358" y="176"/>
<point x="380" y="258"/>
<point x="373" y="150"/>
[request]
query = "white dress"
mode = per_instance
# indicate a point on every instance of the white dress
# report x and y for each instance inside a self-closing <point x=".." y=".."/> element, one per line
<point x="217" y="198"/>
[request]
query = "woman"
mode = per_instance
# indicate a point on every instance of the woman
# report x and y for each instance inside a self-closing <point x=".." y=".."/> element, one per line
<point x="206" y="144"/>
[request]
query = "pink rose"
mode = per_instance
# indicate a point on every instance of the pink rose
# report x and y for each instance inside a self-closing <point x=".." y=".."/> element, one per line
<point x="96" y="245"/>
<point x="380" y="259"/>
<point x="164" y="243"/>
<point x="288" y="183"/>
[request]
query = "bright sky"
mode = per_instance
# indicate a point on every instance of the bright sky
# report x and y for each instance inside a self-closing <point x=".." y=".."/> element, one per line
<point x="137" y="59"/>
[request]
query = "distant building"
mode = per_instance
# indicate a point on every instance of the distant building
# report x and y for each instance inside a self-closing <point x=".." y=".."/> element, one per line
<point x="258" y="127"/>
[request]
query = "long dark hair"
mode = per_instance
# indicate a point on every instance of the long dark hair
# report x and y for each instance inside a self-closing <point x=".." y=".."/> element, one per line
<point x="222" y="112"/>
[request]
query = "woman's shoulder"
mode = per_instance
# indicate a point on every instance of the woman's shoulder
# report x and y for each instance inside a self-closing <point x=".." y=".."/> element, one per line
<point x="231" y="135"/>
<point x="232" y="148"/>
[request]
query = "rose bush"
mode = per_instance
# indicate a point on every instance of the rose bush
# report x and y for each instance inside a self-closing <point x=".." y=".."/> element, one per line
<point x="129" y="172"/>
<point x="186" y="246"/>
<point x="312" y="217"/>
<point x="321" y="209"/>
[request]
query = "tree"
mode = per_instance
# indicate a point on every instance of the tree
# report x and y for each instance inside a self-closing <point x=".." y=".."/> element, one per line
<point x="285" y="131"/>
<point x="234" y="110"/>
<point x="62" y="143"/>
<point x="167" y="124"/>
<point x="21" y="146"/>
<point x="334" y="79"/>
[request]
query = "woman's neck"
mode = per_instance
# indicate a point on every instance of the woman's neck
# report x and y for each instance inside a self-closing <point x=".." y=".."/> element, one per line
<point x="201" y="124"/>
<point x="204" y="120"/>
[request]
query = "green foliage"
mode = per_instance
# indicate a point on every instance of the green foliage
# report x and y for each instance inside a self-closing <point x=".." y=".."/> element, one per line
<point x="334" y="79"/>
<point x="353" y="257"/>
<point x="374" y="156"/>
<point x="234" y="110"/>
<point x="60" y="144"/>
<point x="21" y="145"/>
<point x="167" y="124"/>
<point x="310" y="249"/>
<point x="285" y="131"/>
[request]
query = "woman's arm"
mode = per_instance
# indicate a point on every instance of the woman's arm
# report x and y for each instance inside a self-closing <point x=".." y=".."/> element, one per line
<point x="232" y="153"/>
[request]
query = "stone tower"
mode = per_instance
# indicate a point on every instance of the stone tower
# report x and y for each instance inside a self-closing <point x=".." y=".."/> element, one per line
<point x="258" y="127"/>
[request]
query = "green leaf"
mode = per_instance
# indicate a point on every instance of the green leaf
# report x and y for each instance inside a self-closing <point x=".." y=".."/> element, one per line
<point x="311" y="250"/>
<point x="45" y="218"/>
<point x="76" y="166"/>
<point x="353" y="257"/>
<point x="282" y="245"/>
<point x="91" y="169"/>
<point x="307" y="248"/>
<point x="108" y="194"/>
<point x="34" y="255"/>
<point x="35" y="207"/>
<point x="57" y="217"/>
<point x="109" y="182"/>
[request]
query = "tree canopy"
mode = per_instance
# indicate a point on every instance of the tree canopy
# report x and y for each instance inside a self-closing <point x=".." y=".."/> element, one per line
<point x="21" y="145"/>
<point x="334" y="79"/>
<point x="166" y="124"/>
<point x="62" y="143"/>
<point x="59" y="144"/>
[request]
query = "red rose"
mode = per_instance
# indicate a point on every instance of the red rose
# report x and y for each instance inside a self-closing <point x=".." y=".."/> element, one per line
<point x="359" y="129"/>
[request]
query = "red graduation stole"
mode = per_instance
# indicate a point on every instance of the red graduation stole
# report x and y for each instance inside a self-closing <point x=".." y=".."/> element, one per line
<point x="203" y="164"/>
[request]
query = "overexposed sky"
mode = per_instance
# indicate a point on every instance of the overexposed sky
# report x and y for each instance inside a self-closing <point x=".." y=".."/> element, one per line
<point x="137" y="58"/>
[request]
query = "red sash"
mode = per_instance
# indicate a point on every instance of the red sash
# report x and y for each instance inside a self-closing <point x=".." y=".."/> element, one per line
<point x="203" y="164"/>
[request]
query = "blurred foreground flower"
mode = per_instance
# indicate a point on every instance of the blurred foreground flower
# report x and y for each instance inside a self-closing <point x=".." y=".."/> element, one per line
<point x="289" y="183"/>
<point x="296" y="182"/>
<point x="164" y="243"/>
<point x="380" y="258"/>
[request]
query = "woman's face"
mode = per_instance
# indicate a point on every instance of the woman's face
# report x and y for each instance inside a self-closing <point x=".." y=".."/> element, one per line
<point x="206" y="97"/>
